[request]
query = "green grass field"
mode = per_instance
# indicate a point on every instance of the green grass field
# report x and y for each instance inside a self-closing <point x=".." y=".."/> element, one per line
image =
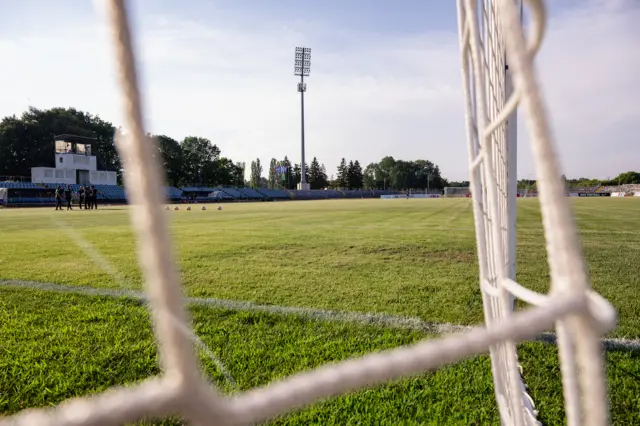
<point x="411" y="258"/>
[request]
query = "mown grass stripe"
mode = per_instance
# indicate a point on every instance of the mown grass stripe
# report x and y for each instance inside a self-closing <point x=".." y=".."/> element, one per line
<point x="377" y="319"/>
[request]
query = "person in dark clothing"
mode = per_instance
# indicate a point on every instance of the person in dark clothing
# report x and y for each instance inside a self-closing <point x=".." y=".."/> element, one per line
<point x="94" y="197"/>
<point x="59" y="198"/>
<point x="87" y="198"/>
<point x="67" y="196"/>
<point x="81" y="197"/>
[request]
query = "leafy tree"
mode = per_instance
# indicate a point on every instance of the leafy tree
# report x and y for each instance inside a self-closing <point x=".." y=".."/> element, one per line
<point x="297" y="172"/>
<point x="369" y="177"/>
<point x="461" y="184"/>
<point x="356" y="177"/>
<point x="256" y="174"/>
<point x="522" y="183"/>
<point x="199" y="156"/>
<point x="317" y="175"/>
<point x="401" y="175"/>
<point x="273" y="175"/>
<point x="342" y="177"/>
<point x="383" y="171"/>
<point x="427" y="175"/>
<point x="227" y="173"/>
<point x="390" y="173"/>
<point x="172" y="159"/>
<point x="252" y="177"/>
<point x="628" y="178"/>
<point x="287" y="180"/>
<point x="27" y="141"/>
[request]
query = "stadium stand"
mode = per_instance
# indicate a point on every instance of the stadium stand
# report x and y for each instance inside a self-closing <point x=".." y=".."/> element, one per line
<point x="315" y="194"/>
<point x="361" y="193"/>
<point x="217" y="195"/>
<point x="331" y="193"/>
<point x="19" y="185"/>
<point x="251" y="194"/>
<point x="234" y="193"/>
<point x="274" y="194"/>
<point x="583" y="189"/>
<point x="354" y="193"/>
<point x="621" y="188"/>
<point x="31" y="201"/>
<point x="76" y="167"/>
<point x="116" y="194"/>
<point x="173" y="193"/>
<point x="379" y="192"/>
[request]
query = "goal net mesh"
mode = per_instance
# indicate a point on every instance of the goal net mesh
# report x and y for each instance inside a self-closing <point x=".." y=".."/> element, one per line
<point x="454" y="191"/>
<point x="488" y="29"/>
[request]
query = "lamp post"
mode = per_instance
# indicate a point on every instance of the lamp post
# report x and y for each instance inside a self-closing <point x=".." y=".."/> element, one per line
<point x="302" y="67"/>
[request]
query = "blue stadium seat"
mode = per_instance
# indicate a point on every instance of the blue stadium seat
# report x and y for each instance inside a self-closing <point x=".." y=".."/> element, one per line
<point x="18" y="185"/>
<point x="251" y="193"/>
<point x="234" y="193"/>
<point x="276" y="194"/>
<point x="173" y="193"/>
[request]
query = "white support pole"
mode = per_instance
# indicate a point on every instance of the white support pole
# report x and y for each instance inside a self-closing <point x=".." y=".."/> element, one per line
<point x="512" y="170"/>
<point x="512" y="184"/>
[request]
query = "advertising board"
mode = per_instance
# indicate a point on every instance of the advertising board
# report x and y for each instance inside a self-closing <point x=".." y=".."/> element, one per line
<point x="594" y="194"/>
<point x="395" y="196"/>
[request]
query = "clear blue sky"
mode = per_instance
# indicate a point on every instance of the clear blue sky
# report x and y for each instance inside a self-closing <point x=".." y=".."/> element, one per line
<point x="385" y="76"/>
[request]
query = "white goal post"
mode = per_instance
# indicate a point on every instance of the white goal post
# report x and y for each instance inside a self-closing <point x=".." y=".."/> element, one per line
<point x="488" y="30"/>
<point x="456" y="191"/>
<point x="497" y="69"/>
<point x="492" y="151"/>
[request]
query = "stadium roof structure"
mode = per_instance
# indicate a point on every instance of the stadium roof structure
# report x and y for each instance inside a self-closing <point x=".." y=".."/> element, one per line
<point x="74" y="138"/>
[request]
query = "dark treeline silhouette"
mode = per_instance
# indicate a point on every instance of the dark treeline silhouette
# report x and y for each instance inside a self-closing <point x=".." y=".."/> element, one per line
<point x="284" y="174"/>
<point x="27" y="141"/>
<point x="626" y="178"/>
<point x="389" y="173"/>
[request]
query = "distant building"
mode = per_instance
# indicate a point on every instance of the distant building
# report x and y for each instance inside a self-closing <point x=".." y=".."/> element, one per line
<point x="74" y="164"/>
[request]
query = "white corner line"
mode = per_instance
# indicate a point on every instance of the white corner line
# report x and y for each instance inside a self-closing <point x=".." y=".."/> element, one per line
<point x="375" y="319"/>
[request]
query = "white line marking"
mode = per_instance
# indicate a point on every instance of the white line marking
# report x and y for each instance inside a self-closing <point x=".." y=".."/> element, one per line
<point x="376" y="319"/>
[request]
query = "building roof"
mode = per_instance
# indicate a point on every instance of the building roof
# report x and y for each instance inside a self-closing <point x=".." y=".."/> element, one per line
<point x="74" y="138"/>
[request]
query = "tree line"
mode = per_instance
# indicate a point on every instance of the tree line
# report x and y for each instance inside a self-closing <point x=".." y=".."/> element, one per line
<point x="196" y="161"/>
<point x="284" y="174"/>
<point x="626" y="178"/>
<point x="27" y="141"/>
<point x="388" y="173"/>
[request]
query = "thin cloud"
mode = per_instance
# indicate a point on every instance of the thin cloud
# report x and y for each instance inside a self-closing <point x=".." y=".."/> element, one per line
<point x="369" y="95"/>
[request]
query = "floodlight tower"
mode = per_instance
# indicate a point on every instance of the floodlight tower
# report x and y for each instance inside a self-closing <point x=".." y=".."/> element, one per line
<point x="302" y="67"/>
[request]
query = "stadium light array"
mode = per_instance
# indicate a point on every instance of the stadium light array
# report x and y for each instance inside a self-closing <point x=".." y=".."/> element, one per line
<point x="302" y="67"/>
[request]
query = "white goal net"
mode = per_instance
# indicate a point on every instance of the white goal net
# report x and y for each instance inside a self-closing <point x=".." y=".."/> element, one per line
<point x="497" y="65"/>
<point x="457" y="191"/>
<point x="488" y="30"/>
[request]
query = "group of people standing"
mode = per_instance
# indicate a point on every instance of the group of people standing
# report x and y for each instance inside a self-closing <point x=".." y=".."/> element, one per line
<point x="87" y="196"/>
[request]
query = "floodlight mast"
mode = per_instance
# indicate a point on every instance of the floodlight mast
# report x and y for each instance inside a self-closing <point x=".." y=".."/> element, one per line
<point x="302" y="67"/>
